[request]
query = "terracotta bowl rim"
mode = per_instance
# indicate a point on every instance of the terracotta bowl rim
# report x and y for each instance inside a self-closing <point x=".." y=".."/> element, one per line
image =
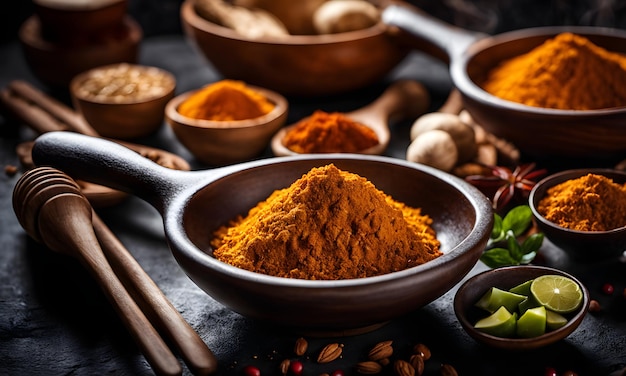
<point x="281" y="107"/>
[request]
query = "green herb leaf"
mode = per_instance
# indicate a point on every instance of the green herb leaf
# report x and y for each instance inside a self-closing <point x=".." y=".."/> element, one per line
<point x="497" y="257"/>
<point x="518" y="219"/>
<point x="514" y="248"/>
<point x="532" y="243"/>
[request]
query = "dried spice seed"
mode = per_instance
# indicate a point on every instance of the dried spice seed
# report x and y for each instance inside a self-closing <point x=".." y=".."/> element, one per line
<point x="448" y="370"/>
<point x="380" y="351"/>
<point x="423" y="350"/>
<point x="330" y="352"/>
<point x="284" y="366"/>
<point x="594" y="306"/>
<point x="417" y="361"/>
<point x="383" y="362"/>
<point x="403" y="368"/>
<point x="10" y="170"/>
<point x="369" y="367"/>
<point x="300" y="346"/>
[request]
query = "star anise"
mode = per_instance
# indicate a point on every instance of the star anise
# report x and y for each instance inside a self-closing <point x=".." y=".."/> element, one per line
<point x="503" y="184"/>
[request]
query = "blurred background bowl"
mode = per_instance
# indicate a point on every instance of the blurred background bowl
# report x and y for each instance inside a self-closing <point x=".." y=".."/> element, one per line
<point x="505" y="278"/>
<point x="56" y="63"/>
<point x="131" y="100"/>
<point x="303" y="65"/>
<point x="69" y="20"/>
<point x="225" y="142"/>
<point x="582" y="245"/>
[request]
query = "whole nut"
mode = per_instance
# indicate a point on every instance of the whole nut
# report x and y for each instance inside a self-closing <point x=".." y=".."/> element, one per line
<point x="423" y="350"/>
<point x="330" y="352"/>
<point x="448" y="370"/>
<point x="369" y="367"/>
<point x="403" y="368"/>
<point x="380" y="351"/>
<point x="417" y="361"/>
<point x="434" y="148"/>
<point x="300" y="346"/>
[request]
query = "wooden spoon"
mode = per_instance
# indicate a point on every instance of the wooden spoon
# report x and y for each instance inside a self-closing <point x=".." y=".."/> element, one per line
<point x="404" y="99"/>
<point x="55" y="212"/>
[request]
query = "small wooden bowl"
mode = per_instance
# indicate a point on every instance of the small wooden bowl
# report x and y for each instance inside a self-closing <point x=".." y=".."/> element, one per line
<point x="70" y="20"/>
<point x="303" y="65"/>
<point x="123" y="116"/>
<point x="55" y="64"/>
<point x="581" y="245"/>
<point x="505" y="278"/>
<point x="226" y="142"/>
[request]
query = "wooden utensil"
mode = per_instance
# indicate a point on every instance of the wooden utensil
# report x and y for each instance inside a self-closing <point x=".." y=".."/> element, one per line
<point x="404" y="99"/>
<point x="55" y="212"/>
<point x="43" y="113"/>
<point x="41" y="184"/>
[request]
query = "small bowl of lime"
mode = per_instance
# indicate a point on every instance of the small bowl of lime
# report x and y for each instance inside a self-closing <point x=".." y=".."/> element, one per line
<point x="521" y="307"/>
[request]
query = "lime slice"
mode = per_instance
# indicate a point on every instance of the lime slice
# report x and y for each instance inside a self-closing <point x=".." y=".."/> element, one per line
<point x="557" y="293"/>
<point x="532" y="323"/>
<point x="554" y="320"/>
<point x="522" y="288"/>
<point x="501" y="323"/>
<point x="527" y="304"/>
<point x="495" y="298"/>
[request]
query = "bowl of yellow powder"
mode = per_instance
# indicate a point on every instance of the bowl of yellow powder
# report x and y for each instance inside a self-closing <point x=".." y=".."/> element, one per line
<point x="583" y="211"/>
<point x="227" y="121"/>
<point x="333" y="243"/>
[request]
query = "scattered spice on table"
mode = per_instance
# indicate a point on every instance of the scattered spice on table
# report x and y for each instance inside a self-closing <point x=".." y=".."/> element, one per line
<point x="226" y="100"/>
<point x="565" y="72"/>
<point x="589" y="203"/>
<point x="329" y="224"/>
<point x="333" y="132"/>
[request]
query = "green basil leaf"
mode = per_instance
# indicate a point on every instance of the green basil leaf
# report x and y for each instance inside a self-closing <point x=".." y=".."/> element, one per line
<point x="496" y="232"/>
<point x="497" y="257"/>
<point x="514" y="248"/>
<point x="532" y="243"/>
<point x="518" y="219"/>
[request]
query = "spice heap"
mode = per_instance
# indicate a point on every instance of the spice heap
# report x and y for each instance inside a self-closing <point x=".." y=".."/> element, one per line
<point x="226" y="100"/>
<point x="324" y="132"/>
<point x="589" y="203"/>
<point x="329" y="224"/>
<point x="566" y="72"/>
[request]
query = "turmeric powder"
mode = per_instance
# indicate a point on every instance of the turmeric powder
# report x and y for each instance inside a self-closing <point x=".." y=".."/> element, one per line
<point x="329" y="224"/>
<point x="325" y="132"/>
<point x="226" y="100"/>
<point x="589" y="203"/>
<point x="566" y="72"/>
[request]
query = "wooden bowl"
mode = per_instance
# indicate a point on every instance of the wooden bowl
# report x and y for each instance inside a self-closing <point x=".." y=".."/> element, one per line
<point x="303" y="65"/>
<point x="537" y="132"/>
<point x="123" y="116"/>
<point x="196" y="203"/>
<point x="72" y="20"/>
<point x="225" y="142"/>
<point x="505" y="278"/>
<point x="581" y="245"/>
<point x="55" y="64"/>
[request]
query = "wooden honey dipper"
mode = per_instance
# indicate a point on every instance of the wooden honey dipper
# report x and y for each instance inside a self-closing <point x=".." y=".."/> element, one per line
<point x="49" y="205"/>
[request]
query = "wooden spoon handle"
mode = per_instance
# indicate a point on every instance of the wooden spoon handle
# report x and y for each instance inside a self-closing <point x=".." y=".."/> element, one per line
<point x="154" y="303"/>
<point x="65" y="224"/>
<point x="403" y="99"/>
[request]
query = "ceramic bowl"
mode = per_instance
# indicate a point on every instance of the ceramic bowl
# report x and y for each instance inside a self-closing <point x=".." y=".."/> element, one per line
<point x="226" y="142"/>
<point x="582" y="245"/>
<point x="72" y="20"/>
<point x="194" y="204"/>
<point x="505" y="278"/>
<point x="117" y="112"/>
<point x="55" y="64"/>
<point x="303" y="65"/>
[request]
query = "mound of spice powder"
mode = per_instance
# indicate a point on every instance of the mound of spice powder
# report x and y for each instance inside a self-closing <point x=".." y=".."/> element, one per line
<point x="329" y="224"/>
<point x="589" y="203"/>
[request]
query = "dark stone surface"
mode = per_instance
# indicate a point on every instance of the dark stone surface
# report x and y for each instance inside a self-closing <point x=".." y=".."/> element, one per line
<point x="55" y="321"/>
